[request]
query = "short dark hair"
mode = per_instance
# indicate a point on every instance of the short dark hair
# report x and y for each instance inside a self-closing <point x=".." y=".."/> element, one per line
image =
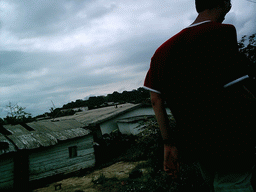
<point x="202" y="5"/>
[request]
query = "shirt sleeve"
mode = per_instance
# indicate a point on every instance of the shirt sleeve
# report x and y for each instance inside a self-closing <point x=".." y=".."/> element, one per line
<point x="152" y="81"/>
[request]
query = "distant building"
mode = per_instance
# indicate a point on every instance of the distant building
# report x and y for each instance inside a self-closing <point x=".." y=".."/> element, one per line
<point x="104" y="120"/>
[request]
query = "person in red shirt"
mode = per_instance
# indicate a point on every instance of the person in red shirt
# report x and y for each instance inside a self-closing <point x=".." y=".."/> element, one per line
<point x="202" y="78"/>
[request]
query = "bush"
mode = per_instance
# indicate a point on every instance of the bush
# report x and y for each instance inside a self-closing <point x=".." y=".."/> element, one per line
<point x="111" y="147"/>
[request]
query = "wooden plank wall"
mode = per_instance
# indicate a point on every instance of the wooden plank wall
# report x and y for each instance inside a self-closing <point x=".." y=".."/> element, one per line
<point x="6" y="172"/>
<point x="55" y="160"/>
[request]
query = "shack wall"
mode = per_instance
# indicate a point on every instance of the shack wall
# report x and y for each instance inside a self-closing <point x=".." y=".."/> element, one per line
<point x="61" y="159"/>
<point x="6" y="172"/>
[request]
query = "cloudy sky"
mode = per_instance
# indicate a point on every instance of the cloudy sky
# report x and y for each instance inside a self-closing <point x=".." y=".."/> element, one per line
<point x="64" y="50"/>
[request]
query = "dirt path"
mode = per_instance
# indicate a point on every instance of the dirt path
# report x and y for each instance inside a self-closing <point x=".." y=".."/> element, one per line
<point x="84" y="184"/>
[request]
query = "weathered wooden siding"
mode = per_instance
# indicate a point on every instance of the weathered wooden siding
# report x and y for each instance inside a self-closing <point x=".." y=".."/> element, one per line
<point x="6" y="172"/>
<point x="55" y="159"/>
<point x="7" y="151"/>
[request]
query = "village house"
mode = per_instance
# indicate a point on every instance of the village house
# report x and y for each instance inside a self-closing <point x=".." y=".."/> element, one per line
<point x="105" y="120"/>
<point x="42" y="149"/>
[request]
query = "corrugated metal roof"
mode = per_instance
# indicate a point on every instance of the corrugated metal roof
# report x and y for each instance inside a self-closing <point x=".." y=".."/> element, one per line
<point x="17" y="129"/>
<point x="43" y="134"/>
<point x="97" y="116"/>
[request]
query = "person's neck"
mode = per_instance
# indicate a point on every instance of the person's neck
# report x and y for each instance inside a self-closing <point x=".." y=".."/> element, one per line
<point x="207" y="15"/>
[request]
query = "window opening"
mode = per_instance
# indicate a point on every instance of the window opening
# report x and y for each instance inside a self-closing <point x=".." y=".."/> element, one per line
<point x="72" y="151"/>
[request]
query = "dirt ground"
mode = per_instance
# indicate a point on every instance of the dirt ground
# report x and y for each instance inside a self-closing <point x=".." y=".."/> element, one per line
<point x="85" y="184"/>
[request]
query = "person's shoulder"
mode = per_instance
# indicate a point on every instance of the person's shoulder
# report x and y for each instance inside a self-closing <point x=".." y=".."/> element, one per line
<point x="171" y="43"/>
<point x="222" y="27"/>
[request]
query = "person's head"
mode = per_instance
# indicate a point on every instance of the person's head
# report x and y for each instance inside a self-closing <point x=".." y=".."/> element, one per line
<point x="202" y="5"/>
<point x="222" y="7"/>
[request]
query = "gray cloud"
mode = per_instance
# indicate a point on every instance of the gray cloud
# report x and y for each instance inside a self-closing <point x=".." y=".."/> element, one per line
<point x="47" y="18"/>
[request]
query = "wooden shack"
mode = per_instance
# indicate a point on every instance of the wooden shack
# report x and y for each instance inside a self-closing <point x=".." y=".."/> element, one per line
<point x="42" y="149"/>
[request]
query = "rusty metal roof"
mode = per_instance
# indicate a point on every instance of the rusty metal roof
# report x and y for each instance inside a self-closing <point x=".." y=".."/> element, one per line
<point x="41" y="134"/>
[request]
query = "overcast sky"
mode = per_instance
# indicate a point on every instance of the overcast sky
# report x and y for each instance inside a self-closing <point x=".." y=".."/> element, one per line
<point x="66" y="50"/>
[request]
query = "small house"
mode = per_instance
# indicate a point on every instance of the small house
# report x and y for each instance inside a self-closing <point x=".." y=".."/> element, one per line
<point x="38" y="150"/>
<point x="102" y="120"/>
<point x="105" y="120"/>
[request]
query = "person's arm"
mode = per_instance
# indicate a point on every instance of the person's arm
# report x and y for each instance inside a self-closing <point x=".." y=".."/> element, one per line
<point x="171" y="164"/>
<point x="161" y="115"/>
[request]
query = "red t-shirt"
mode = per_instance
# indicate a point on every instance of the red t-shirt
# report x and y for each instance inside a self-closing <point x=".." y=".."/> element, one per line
<point x="189" y="70"/>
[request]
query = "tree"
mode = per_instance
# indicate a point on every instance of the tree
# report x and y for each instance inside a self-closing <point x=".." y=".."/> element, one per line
<point x="95" y="102"/>
<point x="16" y="114"/>
<point x="248" y="50"/>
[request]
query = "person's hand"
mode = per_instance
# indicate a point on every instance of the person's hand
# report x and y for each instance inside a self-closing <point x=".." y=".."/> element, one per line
<point x="171" y="163"/>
